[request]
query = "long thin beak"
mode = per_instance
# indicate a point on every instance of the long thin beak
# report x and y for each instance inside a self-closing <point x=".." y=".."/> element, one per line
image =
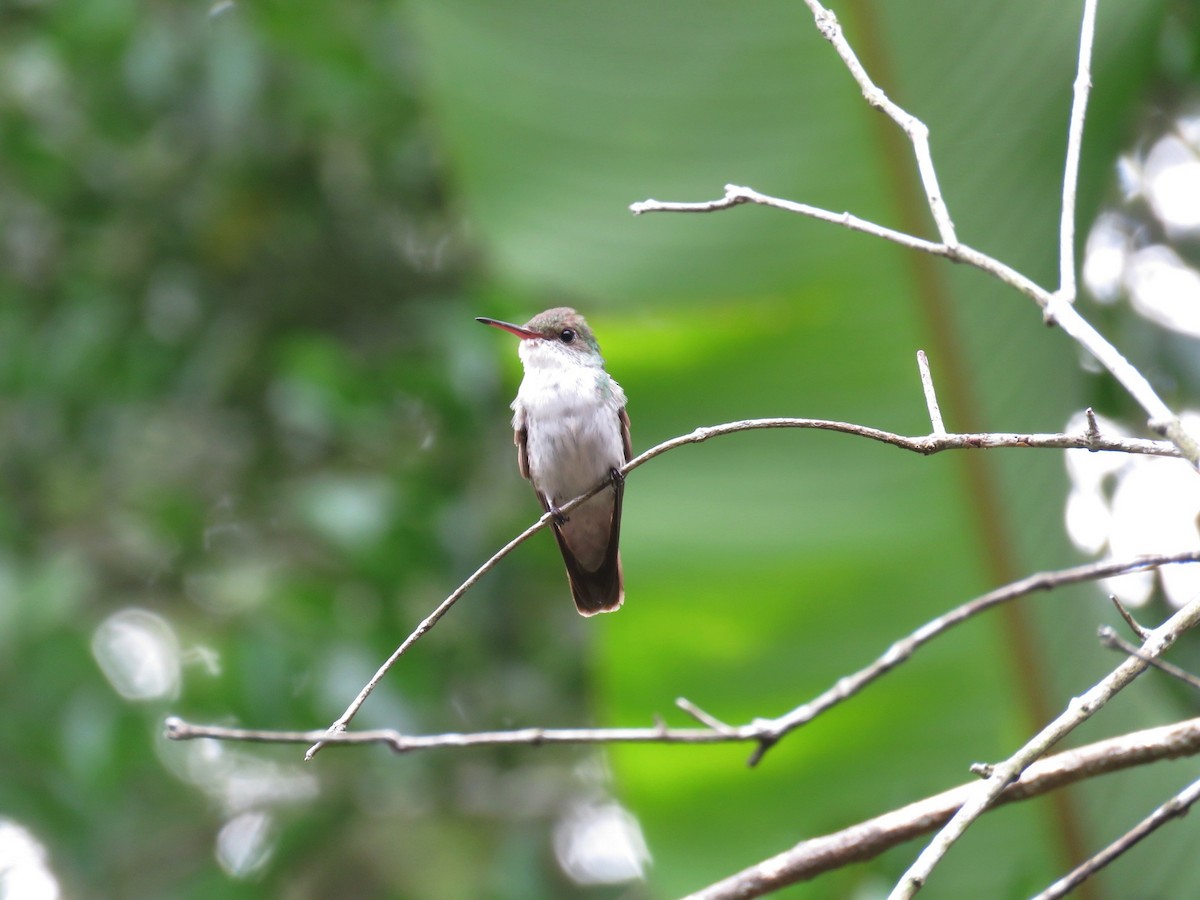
<point x="519" y="330"/>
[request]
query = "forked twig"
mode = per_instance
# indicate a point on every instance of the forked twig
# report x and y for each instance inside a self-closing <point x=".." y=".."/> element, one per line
<point x="1078" y="711"/>
<point x="1133" y="623"/>
<point x="1056" y="306"/>
<point x="917" y="131"/>
<point x="1109" y="639"/>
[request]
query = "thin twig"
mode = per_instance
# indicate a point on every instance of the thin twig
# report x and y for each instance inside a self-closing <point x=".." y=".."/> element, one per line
<point x="1078" y="711"/>
<point x="1082" y="88"/>
<point x="931" y="401"/>
<point x="1173" y="808"/>
<point x="868" y="839"/>
<point x="429" y="621"/>
<point x="917" y="131"/>
<point x="1139" y="631"/>
<point x="736" y="195"/>
<point x="904" y="648"/>
<point x="1113" y="641"/>
<point x="925" y="445"/>
<point x="703" y="717"/>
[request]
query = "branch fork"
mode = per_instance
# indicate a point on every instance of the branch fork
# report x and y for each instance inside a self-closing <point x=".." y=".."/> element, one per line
<point x="1057" y="305"/>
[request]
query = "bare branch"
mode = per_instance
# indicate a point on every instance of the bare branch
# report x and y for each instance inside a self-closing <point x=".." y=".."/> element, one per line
<point x="1078" y="711"/>
<point x="702" y="717"/>
<point x="926" y="445"/>
<point x="1173" y="808"/>
<point x="868" y="839"/>
<point x="179" y="730"/>
<point x="1083" y="86"/>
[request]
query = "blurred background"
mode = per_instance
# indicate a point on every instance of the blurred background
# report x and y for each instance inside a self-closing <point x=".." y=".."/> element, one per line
<point x="250" y="434"/>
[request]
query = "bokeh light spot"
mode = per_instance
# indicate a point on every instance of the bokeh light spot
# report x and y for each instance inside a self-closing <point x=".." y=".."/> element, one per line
<point x="24" y="865"/>
<point x="138" y="653"/>
<point x="601" y="843"/>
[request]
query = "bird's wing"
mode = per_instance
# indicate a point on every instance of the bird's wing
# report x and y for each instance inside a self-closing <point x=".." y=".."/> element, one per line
<point x="520" y="437"/>
<point x="624" y="417"/>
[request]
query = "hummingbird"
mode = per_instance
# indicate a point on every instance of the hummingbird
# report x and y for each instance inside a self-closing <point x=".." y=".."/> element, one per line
<point x="572" y="431"/>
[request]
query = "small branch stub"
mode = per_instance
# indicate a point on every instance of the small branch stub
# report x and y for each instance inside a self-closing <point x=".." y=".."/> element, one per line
<point x="1133" y="623"/>
<point x="931" y="401"/>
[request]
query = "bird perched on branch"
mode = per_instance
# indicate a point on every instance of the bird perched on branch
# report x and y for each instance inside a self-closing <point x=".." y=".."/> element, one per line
<point x="572" y="432"/>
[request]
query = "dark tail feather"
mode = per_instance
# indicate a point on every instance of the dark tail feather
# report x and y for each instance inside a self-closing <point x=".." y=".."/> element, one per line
<point x="597" y="592"/>
<point x="602" y="590"/>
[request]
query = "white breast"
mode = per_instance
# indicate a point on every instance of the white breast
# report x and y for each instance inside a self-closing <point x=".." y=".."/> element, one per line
<point x="569" y="410"/>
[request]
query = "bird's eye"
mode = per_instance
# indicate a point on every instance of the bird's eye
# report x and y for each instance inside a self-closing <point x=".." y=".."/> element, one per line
<point x="567" y="336"/>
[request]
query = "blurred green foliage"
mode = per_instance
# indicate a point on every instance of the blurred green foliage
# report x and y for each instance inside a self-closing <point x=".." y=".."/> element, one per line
<point x="242" y="396"/>
<point x="236" y="395"/>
